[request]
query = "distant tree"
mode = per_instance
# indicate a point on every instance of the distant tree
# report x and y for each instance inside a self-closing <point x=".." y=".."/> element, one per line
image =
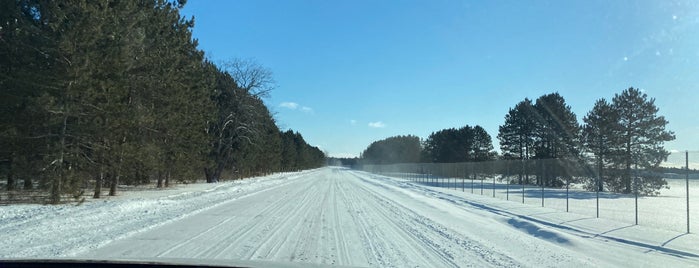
<point x="261" y="152"/>
<point x="296" y="154"/>
<point x="449" y="145"/>
<point x="482" y="145"/>
<point x="397" y="149"/>
<point x="288" y="153"/>
<point x="466" y="144"/>
<point x="343" y="161"/>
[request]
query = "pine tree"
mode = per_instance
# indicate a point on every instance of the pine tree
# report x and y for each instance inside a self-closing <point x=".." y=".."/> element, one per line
<point x="556" y="135"/>
<point x="22" y="64"/>
<point x="466" y="144"/>
<point x="482" y="145"/>
<point x="396" y="149"/>
<point x="180" y="101"/>
<point x="517" y="135"/>
<point x="449" y="145"/>
<point x="641" y="134"/>
<point x="288" y="153"/>
<point x="117" y="92"/>
<point x="599" y="134"/>
<point x="557" y="128"/>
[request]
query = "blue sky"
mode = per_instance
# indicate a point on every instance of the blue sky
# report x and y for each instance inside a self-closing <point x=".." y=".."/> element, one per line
<point x="352" y="72"/>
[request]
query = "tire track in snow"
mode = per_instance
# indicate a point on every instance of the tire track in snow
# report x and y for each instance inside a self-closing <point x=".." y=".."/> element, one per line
<point x="340" y="243"/>
<point x="372" y="247"/>
<point x="432" y="234"/>
<point x="368" y="247"/>
<point x="305" y="207"/>
<point x="244" y="243"/>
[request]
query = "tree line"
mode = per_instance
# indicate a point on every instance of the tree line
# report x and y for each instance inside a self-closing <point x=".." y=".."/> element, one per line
<point x="619" y="144"/>
<point x="104" y="93"/>
<point x="465" y="144"/>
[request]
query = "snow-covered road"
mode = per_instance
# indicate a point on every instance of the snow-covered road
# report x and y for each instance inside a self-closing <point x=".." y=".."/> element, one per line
<point x="345" y="217"/>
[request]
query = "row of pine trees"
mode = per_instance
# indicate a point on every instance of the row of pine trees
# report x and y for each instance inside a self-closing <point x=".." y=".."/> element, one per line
<point x="618" y="146"/>
<point x="102" y="93"/>
<point x="622" y="138"/>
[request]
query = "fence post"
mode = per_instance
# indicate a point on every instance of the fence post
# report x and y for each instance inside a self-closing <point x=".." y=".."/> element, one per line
<point x="481" y="185"/>
<point x="472" y="179"/>
<point x="463" y="180"/>
<point x="597" y="186"/>
<point x="427" y="176"/>
<point x="521" y="182"/>
<point x="567" y="186"/>
<point x="542" y="195"/>
<point x="507" y="181"/>
<point x="543" y="181"/>
<point x="436" y="179"/>
<point x="686" y="159"/>
<point x="493" y="184"/>
<point x="418" y="175"/>
<point x="457" y="176"/>
<point x="521" y="178"/>
<point x="635" y="184"/>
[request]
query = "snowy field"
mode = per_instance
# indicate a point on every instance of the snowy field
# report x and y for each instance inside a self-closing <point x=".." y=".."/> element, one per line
<point x="665" y="211"/>
<point x="336" y="216"/>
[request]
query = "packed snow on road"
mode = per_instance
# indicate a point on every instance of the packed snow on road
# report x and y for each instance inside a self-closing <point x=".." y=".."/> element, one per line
<point x="334" y="216"/>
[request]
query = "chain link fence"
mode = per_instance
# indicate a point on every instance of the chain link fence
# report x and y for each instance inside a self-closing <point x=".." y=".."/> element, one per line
<point x="572" y="186"/>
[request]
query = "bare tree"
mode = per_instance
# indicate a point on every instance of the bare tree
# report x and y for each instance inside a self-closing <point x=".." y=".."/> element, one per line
<point x="250" y="75"/>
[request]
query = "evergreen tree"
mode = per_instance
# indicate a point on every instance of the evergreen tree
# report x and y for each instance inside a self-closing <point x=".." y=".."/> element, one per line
<point x="482" y="145"/>
<point x="261" y="153"/>
<point x="556" y="136"/>
<point x="517" y="136"/>
<point x="115" y="92"/>
<point x="599" y="134"/>
<point x="641" y="134"/>
<point x="466" y="144"/>
<point x="23" y="63"/>
<point x="449" y="145"/>
<point x="288" y="154"/>
<point x="557" y="130"/>
<point x="397" y="149"/>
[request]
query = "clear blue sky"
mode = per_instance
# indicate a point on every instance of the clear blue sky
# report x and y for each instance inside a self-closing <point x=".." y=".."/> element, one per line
<point x="352" y="72"/>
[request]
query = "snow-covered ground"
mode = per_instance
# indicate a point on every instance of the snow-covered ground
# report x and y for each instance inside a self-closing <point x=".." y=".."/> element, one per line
<point x="336" y="216"/>
<point x="66" y="230"/>
<point x="665" y="211"/>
